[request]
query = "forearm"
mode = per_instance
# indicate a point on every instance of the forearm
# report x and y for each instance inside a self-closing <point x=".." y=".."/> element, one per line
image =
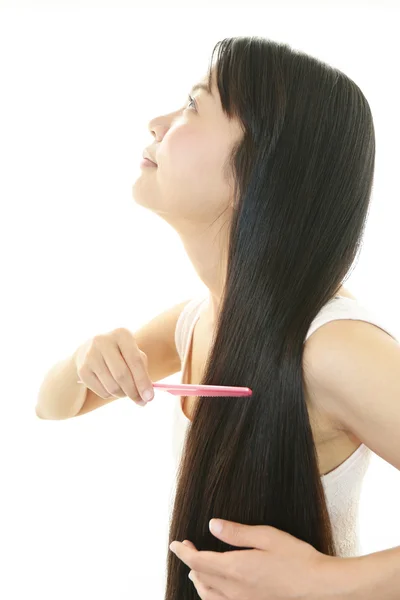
<point x="60" y="396"/>
<point x="379" y="576"/>
<point x="373" y="576"/>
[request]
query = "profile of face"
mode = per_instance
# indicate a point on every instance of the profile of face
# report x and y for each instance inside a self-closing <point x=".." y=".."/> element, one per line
<point x="190" y="185"/>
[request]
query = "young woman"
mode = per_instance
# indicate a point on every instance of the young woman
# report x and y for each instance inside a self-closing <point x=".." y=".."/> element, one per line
<point x="266" y="175"/>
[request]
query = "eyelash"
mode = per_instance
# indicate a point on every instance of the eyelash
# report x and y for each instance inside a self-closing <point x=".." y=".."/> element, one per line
<point x="190" y="100"/>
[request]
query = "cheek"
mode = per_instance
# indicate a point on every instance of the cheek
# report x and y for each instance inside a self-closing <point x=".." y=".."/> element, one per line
<point x="185" y="151"/>
<point x="188" y="166"/>
<point x="190" y="179"/>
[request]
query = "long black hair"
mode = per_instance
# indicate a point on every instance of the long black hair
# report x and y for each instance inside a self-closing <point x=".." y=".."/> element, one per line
<point x="303" y="175"/>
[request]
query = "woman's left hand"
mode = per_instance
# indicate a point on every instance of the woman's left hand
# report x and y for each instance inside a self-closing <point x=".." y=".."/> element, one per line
<point x="278" y="567"/>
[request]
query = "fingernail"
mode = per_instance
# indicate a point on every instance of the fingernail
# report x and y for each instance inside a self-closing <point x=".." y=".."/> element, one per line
<point x="190" y="576"/>
<point x="215" y="526"/>
<point x="147" y="395"/>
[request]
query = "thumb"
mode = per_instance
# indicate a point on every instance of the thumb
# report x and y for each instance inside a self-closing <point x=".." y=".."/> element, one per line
<point x="249" y="536"/>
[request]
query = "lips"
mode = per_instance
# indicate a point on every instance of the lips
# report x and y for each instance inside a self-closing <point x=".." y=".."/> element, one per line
<point x="148" y="156"/>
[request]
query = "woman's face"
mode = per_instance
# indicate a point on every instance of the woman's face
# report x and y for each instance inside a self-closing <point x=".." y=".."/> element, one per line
<point x="189" y="186"/>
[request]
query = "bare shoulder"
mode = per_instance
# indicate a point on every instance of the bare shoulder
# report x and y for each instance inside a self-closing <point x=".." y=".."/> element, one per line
<point x="318" y="344"/>
<point x="333" y="353"/>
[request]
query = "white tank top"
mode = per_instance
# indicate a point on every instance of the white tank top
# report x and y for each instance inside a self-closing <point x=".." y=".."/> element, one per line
<point x="342" y="486"/>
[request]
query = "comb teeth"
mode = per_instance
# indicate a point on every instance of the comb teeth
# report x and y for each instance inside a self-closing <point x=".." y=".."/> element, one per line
<point x="186" y="389"/>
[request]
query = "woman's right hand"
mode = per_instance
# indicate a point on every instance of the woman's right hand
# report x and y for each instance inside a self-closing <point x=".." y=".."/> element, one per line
<point x="112" y="364"/>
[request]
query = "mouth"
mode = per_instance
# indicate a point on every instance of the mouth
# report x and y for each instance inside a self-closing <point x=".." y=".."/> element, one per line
<point x="145" y="162"/>
<point x="147" y="157"/>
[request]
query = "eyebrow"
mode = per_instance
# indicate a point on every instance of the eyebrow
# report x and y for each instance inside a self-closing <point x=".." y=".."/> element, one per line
<point x="201" y="86"/>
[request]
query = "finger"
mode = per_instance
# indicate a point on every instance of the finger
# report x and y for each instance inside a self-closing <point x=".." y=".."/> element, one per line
<point x="246" y="536"/>
<point x="94" y="383"/>
<point x="189" y="544"/>
<point x="116" y="376"/>
<point x="211" y="582"/>
<point x="135" y="362"/>
<point x="205" y="591"/>
<point x="204" y="561"/>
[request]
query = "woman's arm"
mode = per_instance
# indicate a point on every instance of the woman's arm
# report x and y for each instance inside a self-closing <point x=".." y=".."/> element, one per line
<point x="379" y="575"/>
<point x="373" y="576"/>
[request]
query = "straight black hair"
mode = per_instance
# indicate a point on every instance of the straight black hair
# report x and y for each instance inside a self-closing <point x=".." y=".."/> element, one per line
<point x="303" y="178"/>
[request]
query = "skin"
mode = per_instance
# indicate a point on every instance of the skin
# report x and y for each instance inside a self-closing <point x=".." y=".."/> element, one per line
<point x="189" y="189"/>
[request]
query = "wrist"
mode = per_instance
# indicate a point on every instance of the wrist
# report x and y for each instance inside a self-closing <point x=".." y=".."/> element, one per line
<point x="340" y="578"/>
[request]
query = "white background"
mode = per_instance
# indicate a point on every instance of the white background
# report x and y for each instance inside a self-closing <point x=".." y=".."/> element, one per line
<point x="84" y="502"/>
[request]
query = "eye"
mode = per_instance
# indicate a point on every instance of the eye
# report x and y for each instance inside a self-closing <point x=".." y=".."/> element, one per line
<point x="190" y="100"/>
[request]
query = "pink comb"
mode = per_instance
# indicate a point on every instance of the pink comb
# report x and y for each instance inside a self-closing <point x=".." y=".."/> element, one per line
<point x="186" y="389"/>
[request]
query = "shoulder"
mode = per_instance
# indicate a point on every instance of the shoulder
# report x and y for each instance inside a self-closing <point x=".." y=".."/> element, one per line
<point x="346" y="362"/>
